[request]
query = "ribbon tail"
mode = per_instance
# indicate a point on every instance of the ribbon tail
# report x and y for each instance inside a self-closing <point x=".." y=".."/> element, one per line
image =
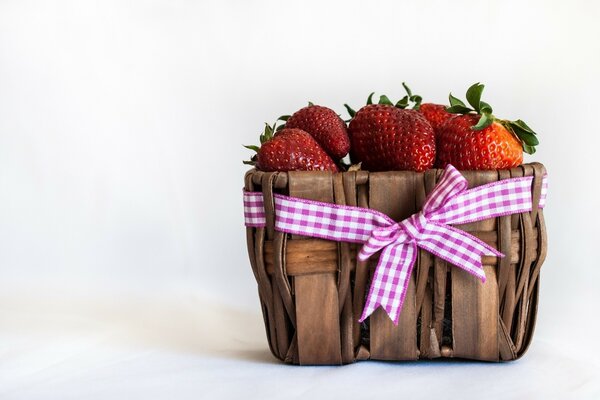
<point x="458" y="248"/>
<point x="390" y="281"/>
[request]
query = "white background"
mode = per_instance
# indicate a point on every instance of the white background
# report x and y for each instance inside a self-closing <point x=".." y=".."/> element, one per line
<point x="123" y="267"/>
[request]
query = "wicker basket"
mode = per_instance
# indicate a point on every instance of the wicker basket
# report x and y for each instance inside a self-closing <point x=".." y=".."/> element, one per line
<point x="312" y="291"/>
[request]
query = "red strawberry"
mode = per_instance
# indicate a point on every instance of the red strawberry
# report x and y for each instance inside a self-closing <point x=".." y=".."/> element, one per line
<point x="385" y="137"/>
<point x="436" y="114"/>
<point x="328" y="129"/>
<point x="290" y="150"/>
<point x="493" y="147"/>
<point x="479" y="140"/>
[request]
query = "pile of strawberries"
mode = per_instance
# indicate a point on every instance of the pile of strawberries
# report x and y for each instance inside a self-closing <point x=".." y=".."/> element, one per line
<point x="387" y="136"/>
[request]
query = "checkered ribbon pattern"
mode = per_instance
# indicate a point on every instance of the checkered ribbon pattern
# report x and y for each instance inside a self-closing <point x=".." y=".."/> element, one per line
<point x="449" y="203"/>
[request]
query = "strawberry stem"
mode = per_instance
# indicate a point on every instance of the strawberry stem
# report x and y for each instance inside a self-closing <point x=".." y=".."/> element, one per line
<point x="370" y="98"/>
<point x="415" y="98"/>
<point x="351" y="112"/>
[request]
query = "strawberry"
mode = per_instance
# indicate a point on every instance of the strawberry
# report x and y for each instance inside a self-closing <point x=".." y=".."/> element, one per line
<point x="436" y="114"/>
<point x="384" y="137"/>
<point x="478" y="140"/>
<point x="493" y="147"/>
<point x="290" y="149"/>
<point x="328" y="129"/>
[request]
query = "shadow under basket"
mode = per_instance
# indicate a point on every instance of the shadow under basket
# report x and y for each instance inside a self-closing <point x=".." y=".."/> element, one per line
<point x="312" y="291"/>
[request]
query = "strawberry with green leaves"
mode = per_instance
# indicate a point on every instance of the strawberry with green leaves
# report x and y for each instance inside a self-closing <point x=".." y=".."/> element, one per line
<point x="386" y="137"/>
<point x="476" y="139"/>
<point x="436" y="114"/>
<point x="289" y="149"/>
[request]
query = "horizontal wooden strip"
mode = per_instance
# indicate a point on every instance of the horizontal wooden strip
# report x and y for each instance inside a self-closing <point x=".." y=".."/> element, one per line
<point x="314" y="256"/>
<point x="308" y="256"/>
<point x="281" y="181"/>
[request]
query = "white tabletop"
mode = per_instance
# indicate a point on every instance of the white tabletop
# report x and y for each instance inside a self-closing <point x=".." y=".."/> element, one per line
<point x="187" y="347"/>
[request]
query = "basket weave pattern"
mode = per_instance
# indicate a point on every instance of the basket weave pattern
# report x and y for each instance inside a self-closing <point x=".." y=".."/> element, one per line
<point x="312" y="291"/>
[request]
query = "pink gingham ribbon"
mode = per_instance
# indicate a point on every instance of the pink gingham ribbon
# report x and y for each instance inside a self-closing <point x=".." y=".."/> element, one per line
<point x="450" y="202"/>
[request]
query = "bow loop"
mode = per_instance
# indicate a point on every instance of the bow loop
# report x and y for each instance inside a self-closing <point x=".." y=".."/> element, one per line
<point x="450" y="185"/>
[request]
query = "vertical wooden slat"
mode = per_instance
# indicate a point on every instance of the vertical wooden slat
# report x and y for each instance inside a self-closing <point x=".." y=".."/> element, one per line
<point x="506" y="271"/>
<point x="541" y="253"/>
<point x="475" y="315"/>
<point x="424" y="259"/>
<point x="475" y="307"/>
<point x="509" y="300"/>
<point x="280" y="292"/>
<point x="504" y="244"/>
<point x="505" y="344"/>
<point x="423" y="292"/>
<point x="282" y="333"/>
<point x="345" y="266"/>
<point x="531" y="320"/>
<point x="394" y="195"/>
<point x="428" y="346"/>
<point x="439" y="284"/>
<point x="361" y="276"/>
<point x="318" y="327"/>
<point x="316" y="295"/>
<point x="255" y="240"/>
<point x="528" y="258"/>
<point x="440" y="275"/>
<point x="292" y="353"/>
<point x="531" y="289"/>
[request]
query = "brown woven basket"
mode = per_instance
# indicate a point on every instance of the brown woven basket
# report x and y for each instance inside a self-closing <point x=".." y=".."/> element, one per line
<point x="312" y="291"/>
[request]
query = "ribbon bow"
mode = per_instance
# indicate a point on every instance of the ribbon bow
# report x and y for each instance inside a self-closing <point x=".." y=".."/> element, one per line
<point x="450" y="202"/>
<point x="429" y="230"/>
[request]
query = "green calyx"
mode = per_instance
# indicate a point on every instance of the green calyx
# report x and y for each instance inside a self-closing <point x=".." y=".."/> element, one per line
<point x="518" y="128"/>
<point x="410" y="98"/>
<point x="268" y="134"/>
<point x="474" y="99"/>
<point x="383" y="99"/>
<point x="527" y="136"/>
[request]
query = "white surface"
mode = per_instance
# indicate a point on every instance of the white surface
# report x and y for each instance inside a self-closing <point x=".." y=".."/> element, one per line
<point x="185" y="347"/>
<point x="119" y="271"/>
